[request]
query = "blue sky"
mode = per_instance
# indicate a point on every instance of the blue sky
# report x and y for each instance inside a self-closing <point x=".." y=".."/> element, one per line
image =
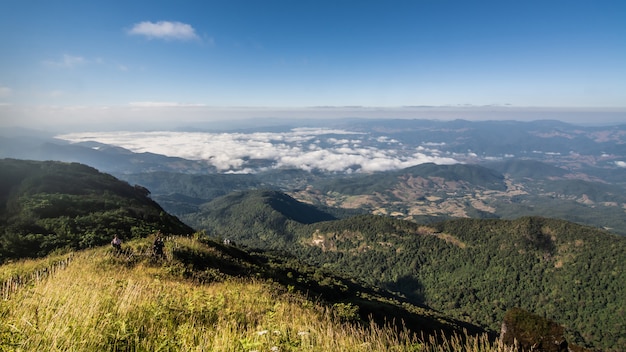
<point x="93" y="56"/>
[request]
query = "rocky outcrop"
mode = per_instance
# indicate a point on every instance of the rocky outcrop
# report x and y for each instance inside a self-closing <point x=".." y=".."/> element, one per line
<point x="530" y="332"/>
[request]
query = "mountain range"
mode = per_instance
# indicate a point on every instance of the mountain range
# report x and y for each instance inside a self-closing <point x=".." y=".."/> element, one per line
<point x="530" y="215"/>
<point x="503" y="169"/>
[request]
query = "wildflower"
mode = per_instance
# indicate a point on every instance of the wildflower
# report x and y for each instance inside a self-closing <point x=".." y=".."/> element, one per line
<point x="262" y="332"/>
<point x="303" y="333"/>
<point x="275" y="349"/>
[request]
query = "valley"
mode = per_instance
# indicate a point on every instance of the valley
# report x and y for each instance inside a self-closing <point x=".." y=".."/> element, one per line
<point x="496" y="229"/>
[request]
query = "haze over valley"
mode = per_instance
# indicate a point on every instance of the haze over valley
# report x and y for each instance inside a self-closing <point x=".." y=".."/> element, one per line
<point x="492" y="169"/>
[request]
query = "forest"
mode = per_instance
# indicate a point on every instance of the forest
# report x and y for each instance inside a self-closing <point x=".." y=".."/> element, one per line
<point x="473" y="269"/>
<point x="465" y="272"/>
<point x="49" y="206"/>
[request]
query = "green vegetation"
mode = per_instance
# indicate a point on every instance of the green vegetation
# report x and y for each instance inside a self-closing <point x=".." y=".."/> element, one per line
<point x="420" y="193"/>
<point x="268" y="215"/>
<point x="473" y="270"/>
<point x="362" y="283"/>
<point x="103" y="301"/>
<point x="46" y="206"/>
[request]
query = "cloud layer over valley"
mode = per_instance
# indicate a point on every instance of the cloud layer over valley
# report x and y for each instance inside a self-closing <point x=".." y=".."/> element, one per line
<point x="330" y="150"/>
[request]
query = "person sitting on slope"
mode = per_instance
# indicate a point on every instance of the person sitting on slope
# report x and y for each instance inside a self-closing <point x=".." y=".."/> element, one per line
<point x="157" y="246"/>
<point x="117" y="243"/>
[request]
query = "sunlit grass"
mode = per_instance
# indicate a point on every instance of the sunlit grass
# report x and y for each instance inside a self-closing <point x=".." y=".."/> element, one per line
<point x="99" y="303"/>
<point x="26" y="267"/>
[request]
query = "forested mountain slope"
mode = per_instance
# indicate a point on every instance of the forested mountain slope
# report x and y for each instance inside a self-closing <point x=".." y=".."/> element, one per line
<point x="471" y="269"/>
<point x="46" y="205"/>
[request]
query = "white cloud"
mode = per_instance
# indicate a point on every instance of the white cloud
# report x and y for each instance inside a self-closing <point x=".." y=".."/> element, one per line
<point x="164" y="30"/>
<point x="5" y="92"/>
<point x="161" y="104"/>
<point x="620" y="163"/>
<point x="297" y="148"/>
<point x="56" y="93"/>
<point x="67" y="61"/>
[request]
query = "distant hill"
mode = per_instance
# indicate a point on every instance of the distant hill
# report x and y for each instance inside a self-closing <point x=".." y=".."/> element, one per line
<point x="471" y="269"/>
<point x="266" y="215"/>
<point x="468" y="176"/>
<point x="184" y="193"/>
<point x="507" y="190"/>
<point x="49" y="205"/>
<point x="499" y="138"/>
<point x="426" y="192"/>
<point x="108" y="158"/>
<point x="474" y="175"/>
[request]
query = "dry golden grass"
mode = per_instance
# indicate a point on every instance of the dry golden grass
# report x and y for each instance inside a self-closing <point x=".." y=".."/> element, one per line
<point x="99" y="303"/>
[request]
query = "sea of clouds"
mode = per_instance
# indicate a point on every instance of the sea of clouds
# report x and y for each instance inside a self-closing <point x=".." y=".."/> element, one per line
<point x="331" y="150"/>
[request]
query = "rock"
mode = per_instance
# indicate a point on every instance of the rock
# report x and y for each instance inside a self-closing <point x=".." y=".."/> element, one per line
<point x="531" y="332"/>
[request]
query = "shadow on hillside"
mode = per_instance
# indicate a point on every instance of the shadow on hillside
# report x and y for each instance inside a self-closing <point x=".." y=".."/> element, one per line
<point x="408" y="287"/>
<point x="217" y="261"/>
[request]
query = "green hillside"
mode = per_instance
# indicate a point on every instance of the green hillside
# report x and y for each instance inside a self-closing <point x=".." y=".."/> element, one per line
<point x="208" y="297"/>
<point x="181" y="193"/>
<point x="471" y="269"/>
<point x="45" y="206"/>
<point x="267" y="215"/>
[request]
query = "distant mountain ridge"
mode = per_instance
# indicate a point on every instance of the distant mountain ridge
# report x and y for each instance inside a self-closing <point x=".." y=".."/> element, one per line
<point x="107" y="158"/>
<point x="507" y="190"/>
<point x="526" y="168"/>
<point x="590" y="149"/>
<point x="474" y="174"/>
<point x="470" y="175"/>
<point x="542" y="164"/>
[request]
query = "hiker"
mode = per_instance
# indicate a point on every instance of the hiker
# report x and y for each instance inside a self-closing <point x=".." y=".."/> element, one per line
<point x="157" y="246"/>
<point x="117" y="243"/>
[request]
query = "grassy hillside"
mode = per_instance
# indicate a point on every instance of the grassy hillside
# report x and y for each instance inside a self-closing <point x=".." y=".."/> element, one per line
<point x="200" y="297"/>
<point x="473" y="270"/>
<point x="45" y="206"/>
